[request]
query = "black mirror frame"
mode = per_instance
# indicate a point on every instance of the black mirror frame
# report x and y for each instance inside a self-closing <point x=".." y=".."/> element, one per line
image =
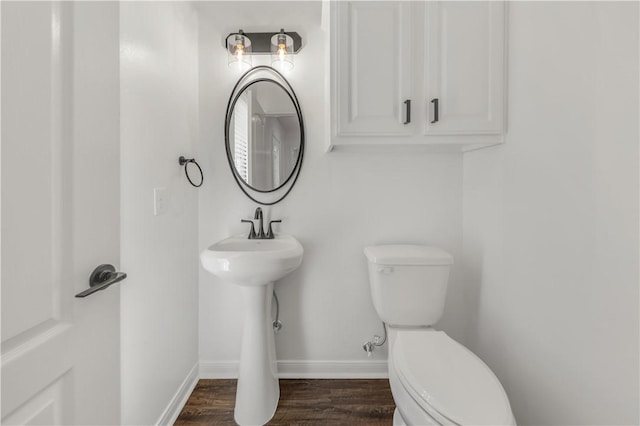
<point x="238" y="89"/>
<point x="228" y="124"/>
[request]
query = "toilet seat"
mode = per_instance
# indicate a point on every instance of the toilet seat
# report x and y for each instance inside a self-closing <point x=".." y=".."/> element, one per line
<point x="448" y="381"/>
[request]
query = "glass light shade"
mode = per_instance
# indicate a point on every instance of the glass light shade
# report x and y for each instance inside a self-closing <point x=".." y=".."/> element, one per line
<point x="282" y="52"/>
<point x="239" y="51"/>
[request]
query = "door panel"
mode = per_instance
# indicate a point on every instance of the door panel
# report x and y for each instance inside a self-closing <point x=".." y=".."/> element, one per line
<point x="372" y="67"/>
<point x="30" y="210"/>
<point x="46" y="408"/>
<point x="465" y="67"/>
<point x="60" y="212"/>
<point x="34" y="366"/>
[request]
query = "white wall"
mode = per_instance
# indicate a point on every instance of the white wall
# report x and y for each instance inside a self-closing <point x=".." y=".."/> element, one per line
<point x="159" y="122"/>
<point x="551" y="219"/>
<point x="342" y="202"/>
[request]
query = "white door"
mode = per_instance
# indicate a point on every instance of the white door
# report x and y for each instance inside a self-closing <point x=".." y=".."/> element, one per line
<point x="60" y="212"/>
<point x="464" y="64"/>
<point x="372" y="68"/>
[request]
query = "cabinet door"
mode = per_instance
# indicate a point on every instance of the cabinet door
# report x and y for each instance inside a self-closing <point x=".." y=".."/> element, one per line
<point x="371" y="68"/>
<point x="464" y="67"/>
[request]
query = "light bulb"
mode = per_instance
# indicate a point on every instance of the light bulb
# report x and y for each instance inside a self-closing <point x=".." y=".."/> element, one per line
<point x="281" y="51"/>
<point x="239" y="52"/>
<point x="239" y="56"/>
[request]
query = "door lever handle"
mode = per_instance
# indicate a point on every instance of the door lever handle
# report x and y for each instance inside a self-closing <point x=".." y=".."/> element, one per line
<point x="102" y="277"/>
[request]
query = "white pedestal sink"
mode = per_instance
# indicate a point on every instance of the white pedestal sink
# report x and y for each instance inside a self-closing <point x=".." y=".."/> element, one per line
<point x="254" y="265"/>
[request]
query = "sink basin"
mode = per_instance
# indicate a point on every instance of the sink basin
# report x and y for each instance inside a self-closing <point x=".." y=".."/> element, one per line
<point x="254" y="265"/>
<point x="252" y="262"/>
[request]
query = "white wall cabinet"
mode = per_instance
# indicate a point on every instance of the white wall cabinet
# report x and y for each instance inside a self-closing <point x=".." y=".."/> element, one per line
<point x="373" y="61"/>
<point x="417" y="73"/>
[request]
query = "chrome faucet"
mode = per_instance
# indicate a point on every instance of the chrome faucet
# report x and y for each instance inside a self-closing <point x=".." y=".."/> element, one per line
<point x="260" y="235"/>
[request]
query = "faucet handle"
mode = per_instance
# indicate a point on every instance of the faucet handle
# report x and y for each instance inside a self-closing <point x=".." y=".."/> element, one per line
<point x="252" y="233"/>
<point x="270" y="234"/>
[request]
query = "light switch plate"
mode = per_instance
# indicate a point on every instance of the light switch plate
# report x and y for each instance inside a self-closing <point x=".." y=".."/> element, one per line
<point x="160" y="201"/>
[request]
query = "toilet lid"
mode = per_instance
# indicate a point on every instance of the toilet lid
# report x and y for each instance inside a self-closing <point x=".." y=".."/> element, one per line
<point x="445" y="377"/>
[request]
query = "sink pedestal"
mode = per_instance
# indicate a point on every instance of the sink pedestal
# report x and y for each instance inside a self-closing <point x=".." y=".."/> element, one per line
<point x="258" y="389"/>
<point x="254" y="265"/>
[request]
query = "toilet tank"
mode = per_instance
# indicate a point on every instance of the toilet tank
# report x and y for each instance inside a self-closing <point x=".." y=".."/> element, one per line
<point x="408" y="283"/>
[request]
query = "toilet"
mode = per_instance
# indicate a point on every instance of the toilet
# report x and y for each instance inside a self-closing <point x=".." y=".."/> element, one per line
<point x="434" y="379"/>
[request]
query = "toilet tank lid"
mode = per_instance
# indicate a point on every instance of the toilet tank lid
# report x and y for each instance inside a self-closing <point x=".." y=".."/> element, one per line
<point x="407" y="254"/>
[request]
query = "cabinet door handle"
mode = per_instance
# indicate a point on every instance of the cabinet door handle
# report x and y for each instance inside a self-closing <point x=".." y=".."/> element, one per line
<point x="407" y="106"/>
<point x="435" y="110"/>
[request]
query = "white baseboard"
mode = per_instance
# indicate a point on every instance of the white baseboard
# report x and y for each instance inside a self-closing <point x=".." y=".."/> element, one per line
<point x="218" y="369"/>
<point x="303" y="369"/>
<point x="180" y="398"/>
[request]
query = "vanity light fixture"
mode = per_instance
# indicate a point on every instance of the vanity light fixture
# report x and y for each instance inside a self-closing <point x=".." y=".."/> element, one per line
<point x="239" y="50"/>
<point x="282" y="51"/>
<point x="281" y="46"/>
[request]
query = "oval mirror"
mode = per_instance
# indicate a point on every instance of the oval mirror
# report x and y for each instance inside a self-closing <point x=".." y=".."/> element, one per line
<point x="264" y="135"/>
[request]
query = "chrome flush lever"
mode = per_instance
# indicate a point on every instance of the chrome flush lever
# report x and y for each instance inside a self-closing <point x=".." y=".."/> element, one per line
<point x="385" y="270"/>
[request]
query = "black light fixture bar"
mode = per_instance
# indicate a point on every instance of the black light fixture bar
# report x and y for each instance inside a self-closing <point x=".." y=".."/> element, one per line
<point x="261" y="42"/>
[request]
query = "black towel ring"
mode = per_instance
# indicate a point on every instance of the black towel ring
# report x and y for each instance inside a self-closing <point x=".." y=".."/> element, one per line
<point x="185" y="162"/>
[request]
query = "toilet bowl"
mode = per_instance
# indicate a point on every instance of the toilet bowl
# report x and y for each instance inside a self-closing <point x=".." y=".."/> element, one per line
<point x="434" y="379"/>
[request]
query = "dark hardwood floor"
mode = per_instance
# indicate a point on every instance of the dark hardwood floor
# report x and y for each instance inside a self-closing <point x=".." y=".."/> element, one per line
<point x="302" y="402"/>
